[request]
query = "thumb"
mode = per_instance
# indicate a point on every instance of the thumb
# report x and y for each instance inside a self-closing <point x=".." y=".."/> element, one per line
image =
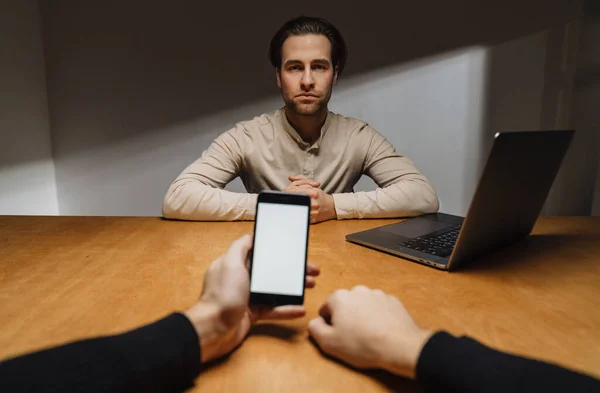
<point x="297" y="177"/>
<point x="321" y="332"/>
<point x="239" y="249"/>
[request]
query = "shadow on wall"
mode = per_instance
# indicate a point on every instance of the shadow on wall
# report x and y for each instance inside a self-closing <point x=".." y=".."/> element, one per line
<point x="587" y="85"/>
<point x="119" y="68"/>
<point x="574" y="189"/>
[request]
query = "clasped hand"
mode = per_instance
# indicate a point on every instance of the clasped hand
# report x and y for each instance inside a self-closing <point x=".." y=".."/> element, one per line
<point x="322" y="206"/>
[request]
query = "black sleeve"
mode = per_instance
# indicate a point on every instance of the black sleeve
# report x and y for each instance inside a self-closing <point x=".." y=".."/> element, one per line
<point x="450" y="364"/>
<point x="161" y="357"/>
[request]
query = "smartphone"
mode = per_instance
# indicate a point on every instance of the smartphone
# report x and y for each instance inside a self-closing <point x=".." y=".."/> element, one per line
<point x="279" y="252"/>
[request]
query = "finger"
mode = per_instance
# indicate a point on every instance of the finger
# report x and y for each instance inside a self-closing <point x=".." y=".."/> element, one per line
<point x="239" y="249"/>
<point x="300" y="182"/>
<point x="333" y="302"/>
<point x="362" y="289"/>
<point x="304" y="186"/>
<point x="309" y="282"/>
<point x="378" y="292"/>
<point x="281" y="312"/>
<point x="305" y="189"/>
<point x="242" y="245"/>
<point x="245" y="325"/>
<point x="302" y="177"/>
<point x="312" y="270"/>
<point x="305" y="182"/>
<point x="322" y="333"/>
<point x="325" y="311"/>
<point x="297" y="177"/>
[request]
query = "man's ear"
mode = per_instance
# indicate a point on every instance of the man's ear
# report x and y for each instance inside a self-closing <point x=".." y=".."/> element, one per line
<point x="335" y="76"/>
<point x="278" y="75"/>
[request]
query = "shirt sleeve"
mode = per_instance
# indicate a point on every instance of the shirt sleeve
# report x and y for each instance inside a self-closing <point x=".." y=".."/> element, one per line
<point x="402" y="190"/>
<point x="198" y="194"/>
<point x="161" y="357"/>
<point x="450" y="364"/>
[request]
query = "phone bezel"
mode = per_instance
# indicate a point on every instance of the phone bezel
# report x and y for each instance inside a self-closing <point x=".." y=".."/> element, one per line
<point x="279" y="197"/>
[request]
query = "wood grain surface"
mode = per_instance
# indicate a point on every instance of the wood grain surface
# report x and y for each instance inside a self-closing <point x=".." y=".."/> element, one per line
<point x="66" y="278"/>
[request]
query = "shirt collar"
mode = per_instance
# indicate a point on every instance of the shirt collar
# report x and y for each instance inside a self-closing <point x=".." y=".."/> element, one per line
<point x="294" y="134"/>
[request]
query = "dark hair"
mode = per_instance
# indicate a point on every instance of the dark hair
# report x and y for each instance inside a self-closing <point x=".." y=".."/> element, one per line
<point x="304" y="25"/>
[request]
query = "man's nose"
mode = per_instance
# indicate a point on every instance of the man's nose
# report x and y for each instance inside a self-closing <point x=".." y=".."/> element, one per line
<point x="307" y="81"/>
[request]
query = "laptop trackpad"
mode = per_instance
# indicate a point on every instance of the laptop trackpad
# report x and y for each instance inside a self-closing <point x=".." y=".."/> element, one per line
<point x="416" y="227"/>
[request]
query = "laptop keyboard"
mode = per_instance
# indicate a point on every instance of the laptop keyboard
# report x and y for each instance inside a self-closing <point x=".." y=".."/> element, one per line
<point x="440" y="244"/>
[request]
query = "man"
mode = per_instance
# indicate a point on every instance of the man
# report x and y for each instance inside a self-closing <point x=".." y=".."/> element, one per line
<point x="365" y="328"/>
<point x="302" y="147"/>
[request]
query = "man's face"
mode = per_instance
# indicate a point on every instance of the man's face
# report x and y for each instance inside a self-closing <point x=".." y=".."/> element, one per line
<point x="306" y="77"/>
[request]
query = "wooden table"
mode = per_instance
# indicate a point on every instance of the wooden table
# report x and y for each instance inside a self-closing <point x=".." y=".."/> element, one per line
<point x="65" y="278"/>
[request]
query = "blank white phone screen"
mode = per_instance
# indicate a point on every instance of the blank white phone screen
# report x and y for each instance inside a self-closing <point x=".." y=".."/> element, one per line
<point x="279" y="249"/>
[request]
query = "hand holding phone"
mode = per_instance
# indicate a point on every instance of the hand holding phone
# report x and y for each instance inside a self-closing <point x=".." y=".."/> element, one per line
<point x="279" y="254"/>
<point x="222" y="317"/>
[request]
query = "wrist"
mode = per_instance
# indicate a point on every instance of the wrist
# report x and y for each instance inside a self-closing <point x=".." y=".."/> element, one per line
<point x="405" y="357"/>
<point x="331" y="203"/>
<point x="206" y="319"/>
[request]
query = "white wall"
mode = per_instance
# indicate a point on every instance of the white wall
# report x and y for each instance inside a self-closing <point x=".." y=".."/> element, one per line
<point x="444" y="110"/>
<point x="138" y="90"/>
<point x="431" y="110"/>
<point x="27" y="178"/>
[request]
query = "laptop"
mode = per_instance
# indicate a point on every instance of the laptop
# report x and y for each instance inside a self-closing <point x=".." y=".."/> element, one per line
<point x="513" y="187"/>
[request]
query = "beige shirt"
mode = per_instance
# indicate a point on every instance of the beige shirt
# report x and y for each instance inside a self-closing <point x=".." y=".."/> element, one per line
<point x="266" y="150"/>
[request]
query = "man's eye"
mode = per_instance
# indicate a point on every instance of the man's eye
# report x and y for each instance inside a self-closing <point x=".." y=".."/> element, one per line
<point x="318" y="67"/>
